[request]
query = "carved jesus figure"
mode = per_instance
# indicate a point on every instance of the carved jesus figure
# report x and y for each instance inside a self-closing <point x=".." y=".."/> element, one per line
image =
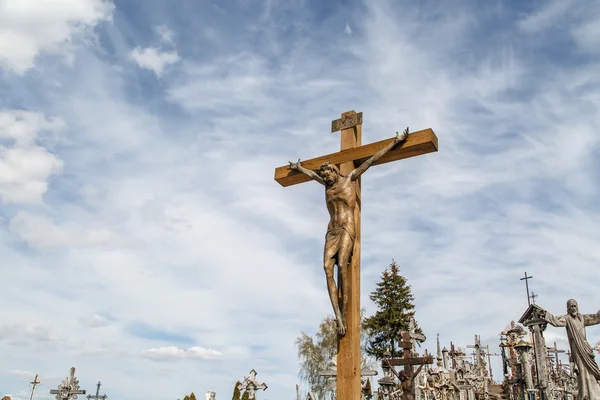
<point x="340" y="197"/>
<point x="586" y="368"/>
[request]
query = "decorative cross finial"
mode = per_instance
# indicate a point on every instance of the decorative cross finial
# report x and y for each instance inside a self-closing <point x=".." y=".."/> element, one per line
<point x="250" y="385"/>
<point x="69" y="388"/>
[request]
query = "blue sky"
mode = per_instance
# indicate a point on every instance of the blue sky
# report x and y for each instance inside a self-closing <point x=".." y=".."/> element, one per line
<point x="145" y="242"/>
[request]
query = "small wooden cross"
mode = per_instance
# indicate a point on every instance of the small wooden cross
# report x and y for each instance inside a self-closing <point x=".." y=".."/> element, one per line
<point x="251" y="385"/>
<point x="97" y="396"/>
<point x="69" y="388"/>
<point x="352" y="154"/>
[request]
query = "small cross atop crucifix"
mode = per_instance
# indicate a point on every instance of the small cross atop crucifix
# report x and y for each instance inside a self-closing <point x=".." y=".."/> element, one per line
<point x="97" y="396"/>
<point x="250" y="385"/>
<point x="69" y="388"/>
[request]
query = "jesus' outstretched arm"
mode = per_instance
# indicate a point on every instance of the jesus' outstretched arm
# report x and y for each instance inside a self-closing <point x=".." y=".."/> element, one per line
<point x="400" y="137"/>
<point x="591" y="319"/>
<point x="295" y="166"/>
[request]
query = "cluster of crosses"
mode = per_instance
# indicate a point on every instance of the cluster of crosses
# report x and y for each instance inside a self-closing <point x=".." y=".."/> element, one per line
<point x="69" y="389"/>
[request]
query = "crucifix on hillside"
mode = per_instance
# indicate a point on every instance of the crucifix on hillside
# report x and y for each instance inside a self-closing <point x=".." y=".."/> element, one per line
<point x="68" y="388"/>
<point x="340" y="174"/>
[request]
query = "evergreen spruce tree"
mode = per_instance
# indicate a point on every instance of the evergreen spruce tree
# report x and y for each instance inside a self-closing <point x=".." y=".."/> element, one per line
<point x="186" y="397"/>
<point x="192" y="396"/>
<point x="394" y="310"/>
<point x="236" y="392"/>
<point x="246" y="395"/>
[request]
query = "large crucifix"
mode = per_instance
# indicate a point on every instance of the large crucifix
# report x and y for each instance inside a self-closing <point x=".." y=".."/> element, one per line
<point x="340" y="174"/>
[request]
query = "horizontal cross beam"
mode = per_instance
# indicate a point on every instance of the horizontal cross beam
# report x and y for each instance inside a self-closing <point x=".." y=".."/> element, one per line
<point x="70" y="392"/>
<point x="411" y="361"/>
<point x="417" y="143"/>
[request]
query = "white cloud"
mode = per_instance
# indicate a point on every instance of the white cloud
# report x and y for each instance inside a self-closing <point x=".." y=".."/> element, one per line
<point x="167" y="214"/>
<point x="165" y="34"/>
<point x="203" y="354"/>
<point x="95" y="321"/>
<point x="22" y="374"/>
<point x="29" y="27"/>
<point x="154" y="59"/>
<point x="41" y="232"/>
<point x="25" y="165"/>
<point x="164" y="353"/>
<point x="171" y="353"/>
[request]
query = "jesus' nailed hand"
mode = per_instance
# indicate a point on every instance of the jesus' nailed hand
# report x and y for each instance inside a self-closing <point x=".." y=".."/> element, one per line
<point x="340" y="197"/>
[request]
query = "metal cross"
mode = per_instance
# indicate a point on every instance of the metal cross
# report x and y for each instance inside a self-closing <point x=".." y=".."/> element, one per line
<point x="526" y="278"/>
<point x="69" y="388"/>
<point x="34" y="384"/>
<point x="533" y="297"/>
<point x="97" y="396"/>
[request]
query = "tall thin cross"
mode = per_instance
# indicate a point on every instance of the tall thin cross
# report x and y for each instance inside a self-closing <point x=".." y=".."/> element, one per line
<point x="352" y="154"/>
<point x="33" y="385"/>
<point x="97" y="396"/>
<point x="526" y="278"/>
<point x="69" y="388"/>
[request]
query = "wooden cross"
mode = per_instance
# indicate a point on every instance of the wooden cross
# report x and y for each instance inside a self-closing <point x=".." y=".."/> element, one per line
<point x="69" y="388"/>
<point x="331" y="373"/>
<point x="250" y="385"/>
<point x="408" y="362"/>
<point x="34" y="384"/>
<point x="526" y="279"/>
<point x="352" y="153"/>
<point x="554" y="350"/>
<point x="453" y="353"/>
<point x="97" y="396"/>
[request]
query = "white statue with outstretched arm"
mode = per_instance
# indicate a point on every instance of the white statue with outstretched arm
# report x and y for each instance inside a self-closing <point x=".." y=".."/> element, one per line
<point x="586" y="367"/>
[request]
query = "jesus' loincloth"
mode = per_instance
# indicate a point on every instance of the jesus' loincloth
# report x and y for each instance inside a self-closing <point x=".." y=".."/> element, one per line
<point x="334" y="239"/>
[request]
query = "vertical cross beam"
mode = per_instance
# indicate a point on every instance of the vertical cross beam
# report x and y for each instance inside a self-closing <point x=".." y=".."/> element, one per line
<point x="34" y="384"/>
<point x="526" y="279"/>
<point x="348" y="357"/>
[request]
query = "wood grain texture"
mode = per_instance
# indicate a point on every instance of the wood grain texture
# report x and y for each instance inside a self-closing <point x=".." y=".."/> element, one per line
<point x="417" y="143"/>
<point x="348" y="356"/>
